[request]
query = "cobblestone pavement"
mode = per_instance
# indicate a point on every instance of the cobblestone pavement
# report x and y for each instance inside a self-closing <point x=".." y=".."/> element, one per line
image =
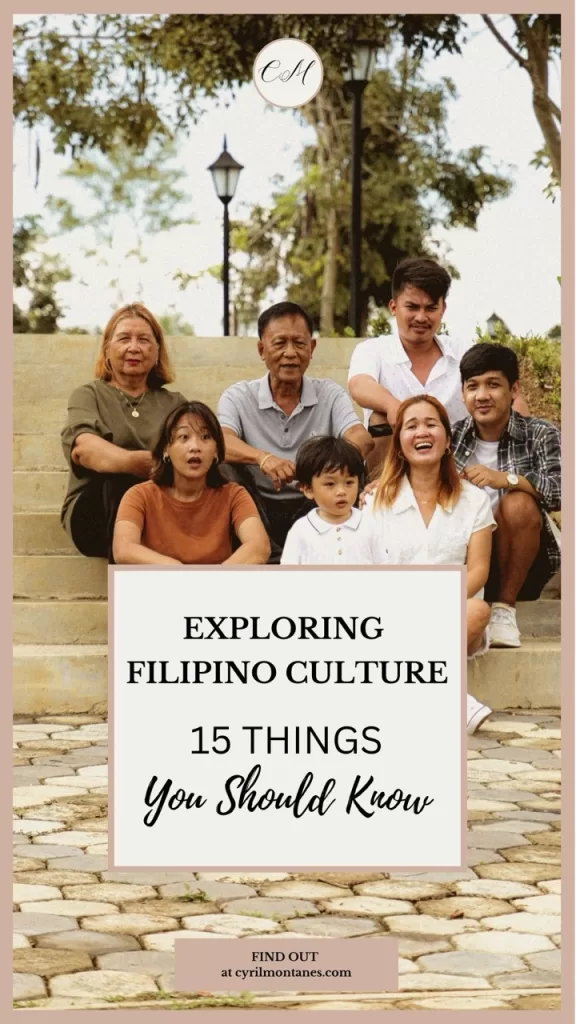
<point x="484" y="938"/>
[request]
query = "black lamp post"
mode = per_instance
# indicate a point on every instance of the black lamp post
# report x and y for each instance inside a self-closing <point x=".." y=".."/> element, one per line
<point x="356" y="77"/>
<point x="225" y="172"/>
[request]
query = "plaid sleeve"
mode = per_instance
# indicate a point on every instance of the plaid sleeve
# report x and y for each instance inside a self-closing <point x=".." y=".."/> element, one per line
<point x="545" y="471"/>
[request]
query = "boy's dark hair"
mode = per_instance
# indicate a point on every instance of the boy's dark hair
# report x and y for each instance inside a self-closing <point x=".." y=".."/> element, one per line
<point x="283" y="309"/>
<point x="163" y="472"/>
<point x="422" y="273"/>
<point x="484" y="357"/>
<point x="327" y="455"/>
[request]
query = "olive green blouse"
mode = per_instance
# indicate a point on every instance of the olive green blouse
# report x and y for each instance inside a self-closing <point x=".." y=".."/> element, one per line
<point x="100" y="409"/>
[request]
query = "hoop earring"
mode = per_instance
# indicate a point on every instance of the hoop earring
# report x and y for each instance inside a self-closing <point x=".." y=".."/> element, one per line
<point x="216" y="460"/>
<point x="166" y="458"/>
<point x="447" y="451"/>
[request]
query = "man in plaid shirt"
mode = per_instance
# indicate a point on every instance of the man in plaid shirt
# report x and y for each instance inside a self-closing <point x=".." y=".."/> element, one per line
<point x="516" y="459"/>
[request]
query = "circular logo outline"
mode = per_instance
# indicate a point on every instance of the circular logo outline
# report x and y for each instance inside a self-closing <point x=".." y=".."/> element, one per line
<point x="288" y="106"/>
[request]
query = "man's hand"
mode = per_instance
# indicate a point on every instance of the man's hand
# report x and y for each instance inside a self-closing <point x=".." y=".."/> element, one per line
<point x="369" y="489"/>
<point x="481" y="476"/>
<point x="392" y="407"/>
<point x="280" y="471"/>
<point x="141" y="463"/>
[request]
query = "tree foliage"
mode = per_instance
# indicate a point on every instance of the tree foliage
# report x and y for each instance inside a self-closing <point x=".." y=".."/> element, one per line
<point x="110" y="76"/>
<point x="39" y="274"/>
<point x="537" y="39"/>
<point x="412" y="183"/>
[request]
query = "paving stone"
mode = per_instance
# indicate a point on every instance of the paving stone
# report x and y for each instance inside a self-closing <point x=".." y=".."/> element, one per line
<point x="426" y="924"/>
<point x="55" y="744"/>
<point x="67" y="908"/>
<point x="97" y="850"/>
<point x="72" y="838"/>
<point x="49" y="962"/>
<point x="483" y="965"/>
<point x="57" y="878"/>
<point x="495" y="889"/>
<point x="475" y="907"/>
<point x="495" y="840"/>
<point x="447" y="878"/>
<point x="397" y="889"/>
<point x="428" y="982"/>
<point x="530" y="979"/>
<point x="542" y="1001"/>
<point x="140" y="962"/>
<point x="111" y="892"/>
<point x="76" y="782"/>
<point x="545" y="838"/>
<point x="537" y="789"/>
<point x="151" y="877"/>
<point x="532" y="924"/>
<point x="513" y="943"/>
<point x="519" y="753"/>
<point x="487" y="766"/>
<point x="41" y="851"/>
<point x="517" y="872"/>
<point x="68" y="812"/>
<point x="128" y="924"/>
<point x="28" y="893"/>
<point x="373" y="905"/>
<point x="164" y="941"/>
<point x="20" y="941"/>
<point x="264" y="907"/>
<point x="472" y="1002"/>
<point x="103" y="983"/>
<point x="512" y="826"/>
<point x="28" y="865"/>
<point x="549" y="904"/>
<point x="304" y="890"/>
<point x="40" y="924"/>
<point x="93" y="943"/>
<point x="79" y="862"/>
<point x="36" y="728"/>
<point x="553" y="885"/>
<point x="534" y="855"/>
<point x="407" y="966"/>
<point x="408" y="946"/>
<point x="541" y="804"/>
<point x="35" y="773"/>
<point x="230" y="923"/>
<point x="171" y="908"/>
<point x="344" y="877"/>
<point x="507" y="725"/>
<point x="215" y="890"/>
<point x="549" y="961"/>
<point x="244" y="877"/>
<point x="36" y="827"/>
<point x="491" y="804"/>
<point x="336" y="927"/>
<point x="542" y="775"/>
<point x="474" y="857"/>
<point x="27" y="986"/>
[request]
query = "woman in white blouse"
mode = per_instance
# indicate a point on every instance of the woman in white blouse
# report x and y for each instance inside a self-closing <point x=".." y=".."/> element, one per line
<point x="430" y="516"/>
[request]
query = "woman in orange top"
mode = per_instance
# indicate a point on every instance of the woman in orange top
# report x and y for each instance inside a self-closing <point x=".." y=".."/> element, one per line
<point x="186" y="513"/>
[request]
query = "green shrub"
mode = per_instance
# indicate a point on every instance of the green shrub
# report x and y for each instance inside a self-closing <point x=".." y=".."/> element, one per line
<point x="540" y="361"/>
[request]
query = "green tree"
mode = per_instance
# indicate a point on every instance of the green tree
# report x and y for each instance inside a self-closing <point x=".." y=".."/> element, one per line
<point x="102" y="78"/>
<point x="412" y="183"/>
<point x="38" y="273"/>
<point x="537" y="39"/>
<point x="174" y="325"/>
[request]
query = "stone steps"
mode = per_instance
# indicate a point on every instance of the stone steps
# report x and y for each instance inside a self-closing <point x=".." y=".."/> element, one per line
<point x="40" y="533"/>
<point x="39" y="490"/>
<point x="72" y="678"/>
<point x="84" y="621"/>
<point x="59" y="577"/>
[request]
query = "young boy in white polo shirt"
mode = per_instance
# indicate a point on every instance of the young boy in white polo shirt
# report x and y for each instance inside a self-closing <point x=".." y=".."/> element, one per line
<point x="330" y="471"/>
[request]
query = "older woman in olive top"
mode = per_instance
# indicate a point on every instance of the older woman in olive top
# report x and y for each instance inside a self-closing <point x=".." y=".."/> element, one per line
<point x="114" y="424"/>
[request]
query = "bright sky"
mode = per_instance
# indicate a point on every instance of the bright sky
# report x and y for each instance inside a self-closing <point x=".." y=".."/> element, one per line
<point x="509" y="265"/>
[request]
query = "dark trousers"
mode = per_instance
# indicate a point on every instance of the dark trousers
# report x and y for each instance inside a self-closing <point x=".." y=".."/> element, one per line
<point x="94" y="513"/>
<point x="277" y="514"/>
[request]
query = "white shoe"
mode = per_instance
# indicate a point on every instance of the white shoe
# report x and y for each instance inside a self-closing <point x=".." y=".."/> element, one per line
<point x="503" y="628"/>
<point x="475" y="714"/>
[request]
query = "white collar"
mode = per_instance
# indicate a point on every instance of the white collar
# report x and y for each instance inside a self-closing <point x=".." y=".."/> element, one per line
<point x="397" y="353"/>
<point x="406" y="499"/>
<point x="321" y="526"/>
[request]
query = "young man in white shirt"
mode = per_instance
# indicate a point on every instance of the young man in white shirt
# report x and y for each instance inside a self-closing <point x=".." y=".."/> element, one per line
<point x="330" y="471"/>
<point x="414" y="359"/>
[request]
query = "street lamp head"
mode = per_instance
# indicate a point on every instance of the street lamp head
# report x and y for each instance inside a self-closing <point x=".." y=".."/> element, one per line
<point x="362" y="63"/>
<point x="225" y="172"/>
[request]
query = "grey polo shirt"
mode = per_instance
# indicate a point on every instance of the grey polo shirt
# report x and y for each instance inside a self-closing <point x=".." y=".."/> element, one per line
<point x="249" y="409"/>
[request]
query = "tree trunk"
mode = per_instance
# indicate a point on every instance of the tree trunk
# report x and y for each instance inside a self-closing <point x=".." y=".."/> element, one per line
<point x="328" y="294"/>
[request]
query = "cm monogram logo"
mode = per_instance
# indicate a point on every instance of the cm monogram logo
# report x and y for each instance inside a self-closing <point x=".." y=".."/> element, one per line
<point x="288" y="73"/>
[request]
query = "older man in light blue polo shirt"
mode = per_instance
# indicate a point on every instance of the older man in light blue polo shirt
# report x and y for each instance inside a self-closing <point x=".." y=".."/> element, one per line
<point x="266" y="420"/>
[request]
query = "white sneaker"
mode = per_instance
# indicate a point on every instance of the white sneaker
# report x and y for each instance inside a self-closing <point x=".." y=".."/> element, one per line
<point x="475" y="714"/>
<point x="503" y="628"/>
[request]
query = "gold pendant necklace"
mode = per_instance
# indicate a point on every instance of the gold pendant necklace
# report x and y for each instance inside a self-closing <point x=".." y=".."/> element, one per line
<point x="134" y="408"/>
